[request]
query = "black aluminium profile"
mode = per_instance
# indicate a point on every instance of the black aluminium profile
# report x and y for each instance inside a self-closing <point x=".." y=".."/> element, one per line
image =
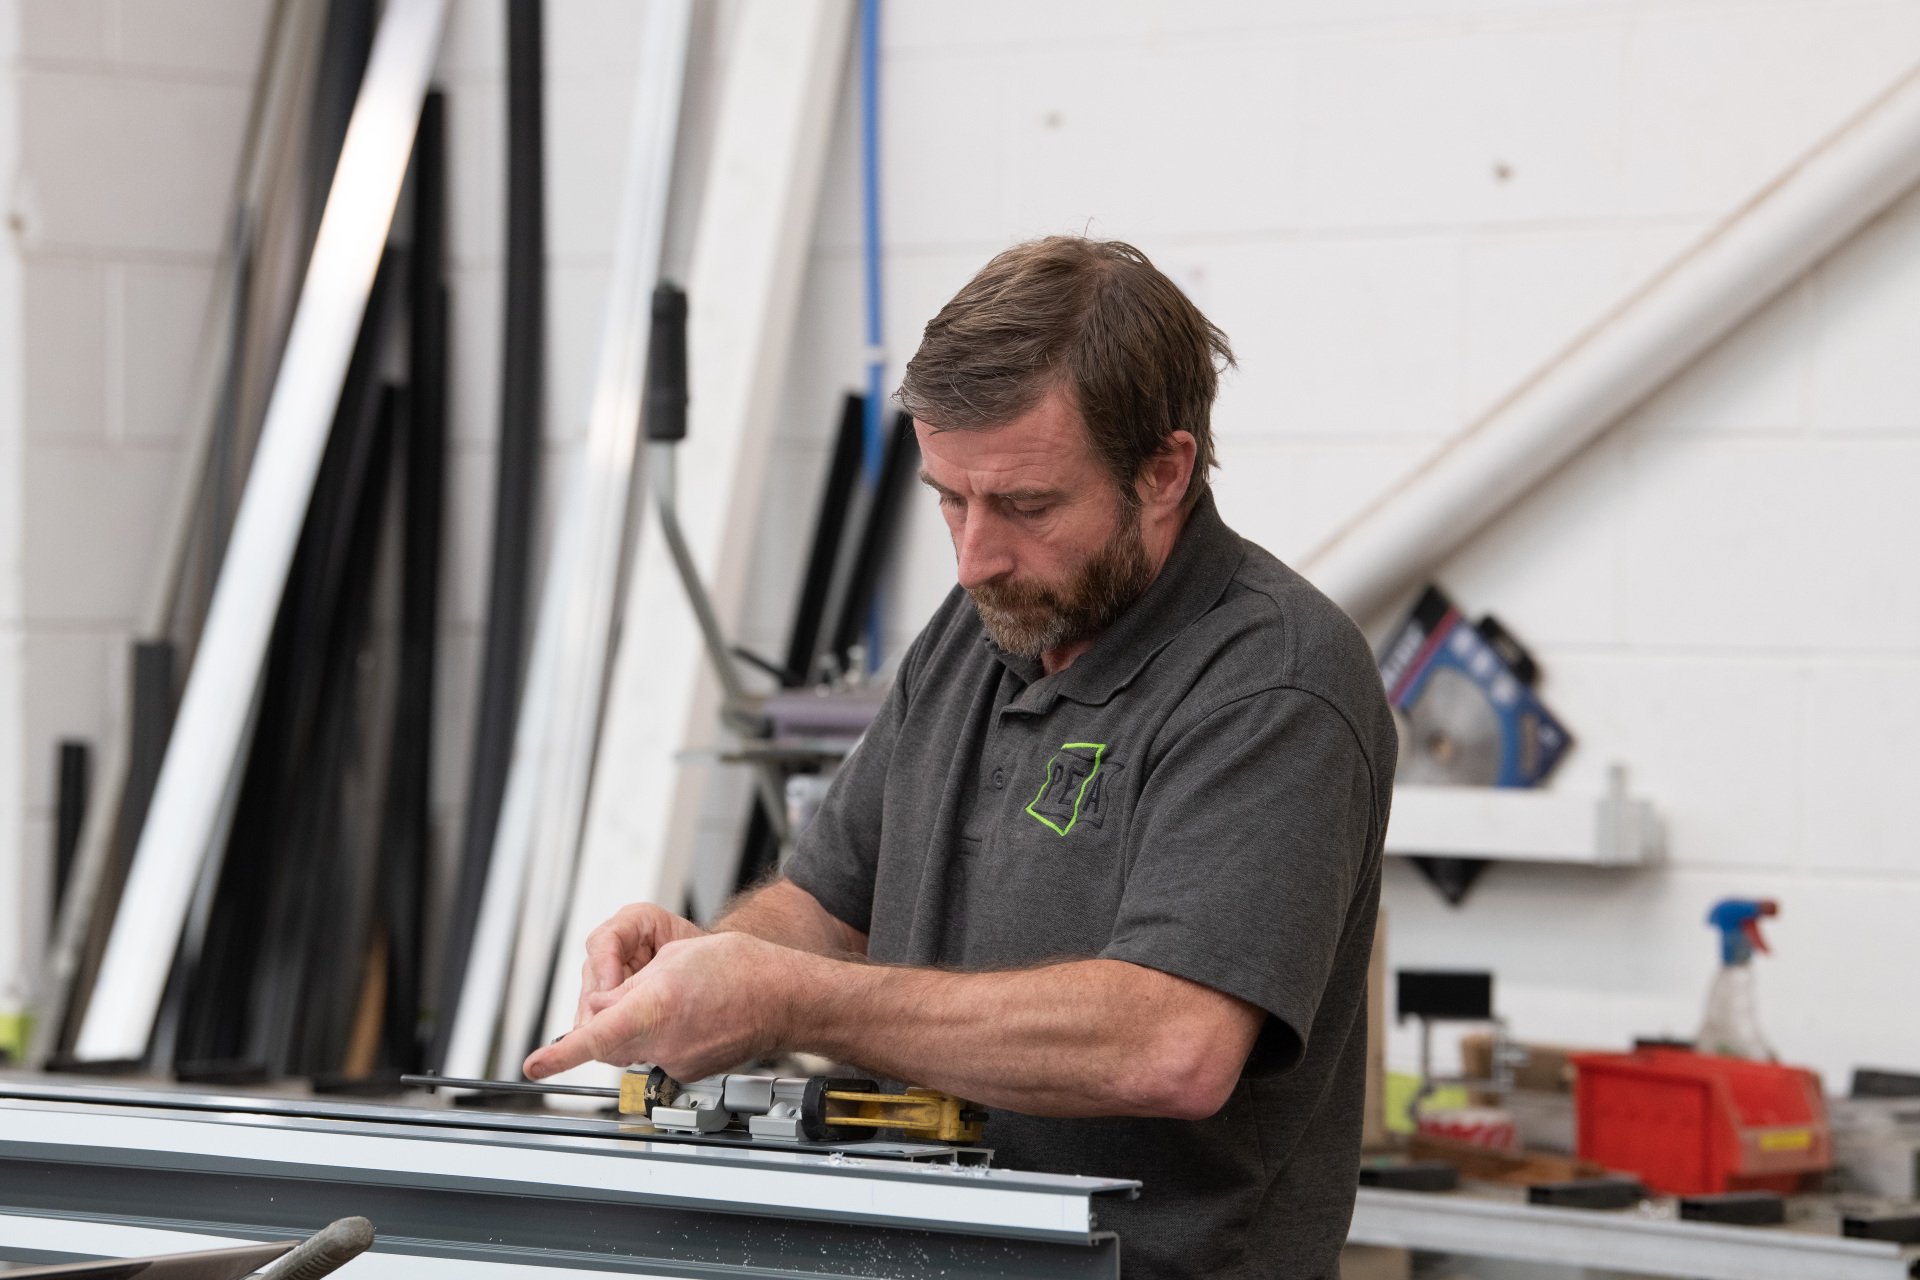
<point x="309" y="911"/>
<point x="254" y="939"/>
<point x="314" y="1021"/>
<point x="876" y="535"/>
<point x="346" y="41"/>
<point x="759" y="850"/>
<point x="516" y="490"/>
<point x="150" y="725"/>
<point x="74" y="765"/>
<point x="322" y="910"/>
<point x="406" y="844"/>
<point x="829" y="531"/>
<point x="238" y="930"/>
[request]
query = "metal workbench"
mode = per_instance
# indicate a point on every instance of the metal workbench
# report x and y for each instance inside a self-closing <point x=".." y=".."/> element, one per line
<point x="90" y="1171"/>
<point x="1647" y="1241"/>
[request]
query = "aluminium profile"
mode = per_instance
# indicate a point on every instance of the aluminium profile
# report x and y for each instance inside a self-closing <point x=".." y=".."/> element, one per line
<point x="535" y="839"/>
<point x="108" y="817"/>
<point x="589" y="576"/>
<point x="516" y="485"/>
<point x="204" y="752"/>
<point x="750" y="250"/>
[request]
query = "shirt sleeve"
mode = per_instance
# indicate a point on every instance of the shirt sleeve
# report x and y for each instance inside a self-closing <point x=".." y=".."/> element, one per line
<point x="836" y="857"/>
<point x="1252" y="835"/>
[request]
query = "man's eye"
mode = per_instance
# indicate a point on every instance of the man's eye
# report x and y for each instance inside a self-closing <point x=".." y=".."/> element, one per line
<point x="1031" y="513"/>
<point x="949" y="500"/>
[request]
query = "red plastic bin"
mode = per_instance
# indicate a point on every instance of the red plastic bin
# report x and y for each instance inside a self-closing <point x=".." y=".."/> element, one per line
<point x="1693" y="1124"/>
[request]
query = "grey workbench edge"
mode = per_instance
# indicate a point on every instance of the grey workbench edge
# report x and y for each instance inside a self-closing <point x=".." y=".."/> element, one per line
<point x="1624" y="1240"/>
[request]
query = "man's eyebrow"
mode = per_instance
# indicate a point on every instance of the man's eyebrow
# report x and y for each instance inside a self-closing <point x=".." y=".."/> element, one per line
<point x="1010" y="495"/>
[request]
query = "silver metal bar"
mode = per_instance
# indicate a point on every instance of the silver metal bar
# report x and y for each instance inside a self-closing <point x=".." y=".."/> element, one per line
<point x="772" y="123"/>
<point x="555" y="741"/>
<point x="766" y="775"/>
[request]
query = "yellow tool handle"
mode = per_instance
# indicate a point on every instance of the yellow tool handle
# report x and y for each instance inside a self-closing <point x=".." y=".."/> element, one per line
<point x="925" y="1113"/>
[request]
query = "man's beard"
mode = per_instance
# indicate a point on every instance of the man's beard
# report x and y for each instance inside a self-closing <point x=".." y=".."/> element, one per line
<point x="1028" y="619"/>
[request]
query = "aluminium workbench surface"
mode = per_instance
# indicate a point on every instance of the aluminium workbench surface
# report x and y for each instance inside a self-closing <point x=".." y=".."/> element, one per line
<point x="1497" y="1222"/>
<point x="94" y="1170"/>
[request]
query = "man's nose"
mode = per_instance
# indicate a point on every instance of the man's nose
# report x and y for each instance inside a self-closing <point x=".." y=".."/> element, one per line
<point x="981" y="549"/>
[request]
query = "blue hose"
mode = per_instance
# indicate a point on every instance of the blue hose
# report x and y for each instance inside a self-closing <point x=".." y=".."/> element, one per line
<point x="874" y="434"/>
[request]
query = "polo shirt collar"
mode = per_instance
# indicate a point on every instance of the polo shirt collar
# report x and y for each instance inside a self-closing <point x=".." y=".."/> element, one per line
<point x="1203" y="561"/>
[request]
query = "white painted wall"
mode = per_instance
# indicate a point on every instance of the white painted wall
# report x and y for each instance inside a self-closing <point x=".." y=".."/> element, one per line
<point x="130" y="117"/>
<point x="13" y="910"/>
<point x="1394" y="207"/>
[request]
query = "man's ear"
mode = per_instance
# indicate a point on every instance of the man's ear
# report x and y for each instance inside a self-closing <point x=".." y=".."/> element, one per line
<point x="1164" y="478"/>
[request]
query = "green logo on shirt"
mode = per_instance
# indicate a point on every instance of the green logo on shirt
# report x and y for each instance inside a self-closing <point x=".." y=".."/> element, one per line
<point x="1070" y="772"/>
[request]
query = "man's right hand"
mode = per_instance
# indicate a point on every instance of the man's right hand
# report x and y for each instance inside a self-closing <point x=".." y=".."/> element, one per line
<point x="622" y="947"/>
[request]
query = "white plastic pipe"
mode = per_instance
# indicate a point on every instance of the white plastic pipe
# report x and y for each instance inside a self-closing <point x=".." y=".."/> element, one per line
<point x="1767" y="243"/>
<point x="182" y="825"/>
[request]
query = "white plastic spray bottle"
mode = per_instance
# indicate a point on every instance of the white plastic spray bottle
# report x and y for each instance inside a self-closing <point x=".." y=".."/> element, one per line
<point x="1731" y="1028"/>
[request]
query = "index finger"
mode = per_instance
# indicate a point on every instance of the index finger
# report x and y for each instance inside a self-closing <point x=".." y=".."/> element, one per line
<point x="598" y="1039"/>
<point x="564" y="1054"/>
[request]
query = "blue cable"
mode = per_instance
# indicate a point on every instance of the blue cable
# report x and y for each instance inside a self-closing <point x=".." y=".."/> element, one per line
<point x="873" y="435"/>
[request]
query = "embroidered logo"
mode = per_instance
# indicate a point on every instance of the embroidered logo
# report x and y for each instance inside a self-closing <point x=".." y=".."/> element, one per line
<point x="1070" y="775"/>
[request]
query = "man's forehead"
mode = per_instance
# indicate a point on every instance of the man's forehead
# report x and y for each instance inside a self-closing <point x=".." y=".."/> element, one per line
<point x="1046" y="447"/>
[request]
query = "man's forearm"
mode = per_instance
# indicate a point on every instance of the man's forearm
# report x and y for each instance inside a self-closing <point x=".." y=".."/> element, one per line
<point x="1082" y="1038"/>
<point x="782" y="912"/>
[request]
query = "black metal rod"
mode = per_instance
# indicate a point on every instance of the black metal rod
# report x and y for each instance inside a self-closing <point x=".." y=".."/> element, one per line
<point x="829" y="532"/>
<point x="151" y="723"/>
<point x="516" y="484"/>
<point x="507" y="1086"/>
<point x="664" y="412"/>
<point x="70" y="805"/>
<point x="876" y="536"/>
<point x="407" y="826"/>
<point x="307" y="1012"/>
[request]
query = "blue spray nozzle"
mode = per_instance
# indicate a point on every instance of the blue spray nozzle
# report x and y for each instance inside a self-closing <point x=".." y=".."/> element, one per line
<point x="1738" y="920"/>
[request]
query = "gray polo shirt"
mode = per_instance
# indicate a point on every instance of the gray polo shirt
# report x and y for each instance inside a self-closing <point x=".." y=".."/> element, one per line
<point x="1205" y="793"/>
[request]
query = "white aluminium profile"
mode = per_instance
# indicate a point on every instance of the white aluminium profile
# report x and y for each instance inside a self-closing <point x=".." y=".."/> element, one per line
<point x="203" y="754"/>
<point x="1697" y="299"/>
<point x="538" y="833"/>
<point x="743" y="288"/>
<point x="283" y="82"/>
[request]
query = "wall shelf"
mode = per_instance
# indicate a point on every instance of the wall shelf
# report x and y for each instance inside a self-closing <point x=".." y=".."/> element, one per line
<point x="1609" y="828"/>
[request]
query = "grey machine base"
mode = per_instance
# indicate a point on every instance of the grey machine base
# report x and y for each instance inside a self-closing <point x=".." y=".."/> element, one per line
<point x="590" y="1197"/>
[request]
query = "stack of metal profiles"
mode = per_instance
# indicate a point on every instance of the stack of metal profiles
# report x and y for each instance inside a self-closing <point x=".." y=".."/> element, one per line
<point x="87" y="1170"/>
<point x="248" y="894"/>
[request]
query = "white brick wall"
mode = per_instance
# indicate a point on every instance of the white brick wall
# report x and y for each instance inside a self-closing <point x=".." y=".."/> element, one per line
<point x="1396" y="209"/>
<point x="130" y="120"/>
<point x="14" y="911"/>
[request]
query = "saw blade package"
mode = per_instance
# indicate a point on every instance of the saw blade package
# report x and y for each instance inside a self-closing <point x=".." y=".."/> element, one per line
<point x="1464" y="696"/>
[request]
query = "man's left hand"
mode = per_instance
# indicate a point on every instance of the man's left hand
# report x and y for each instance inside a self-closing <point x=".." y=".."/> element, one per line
<point x="702" y="1006"/>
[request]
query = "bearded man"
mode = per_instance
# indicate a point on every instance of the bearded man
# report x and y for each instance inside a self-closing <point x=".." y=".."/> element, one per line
<point x="1109" y="858"/>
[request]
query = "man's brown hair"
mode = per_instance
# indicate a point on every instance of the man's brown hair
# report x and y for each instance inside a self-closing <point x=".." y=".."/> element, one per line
<point x="1093" y="317"/>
